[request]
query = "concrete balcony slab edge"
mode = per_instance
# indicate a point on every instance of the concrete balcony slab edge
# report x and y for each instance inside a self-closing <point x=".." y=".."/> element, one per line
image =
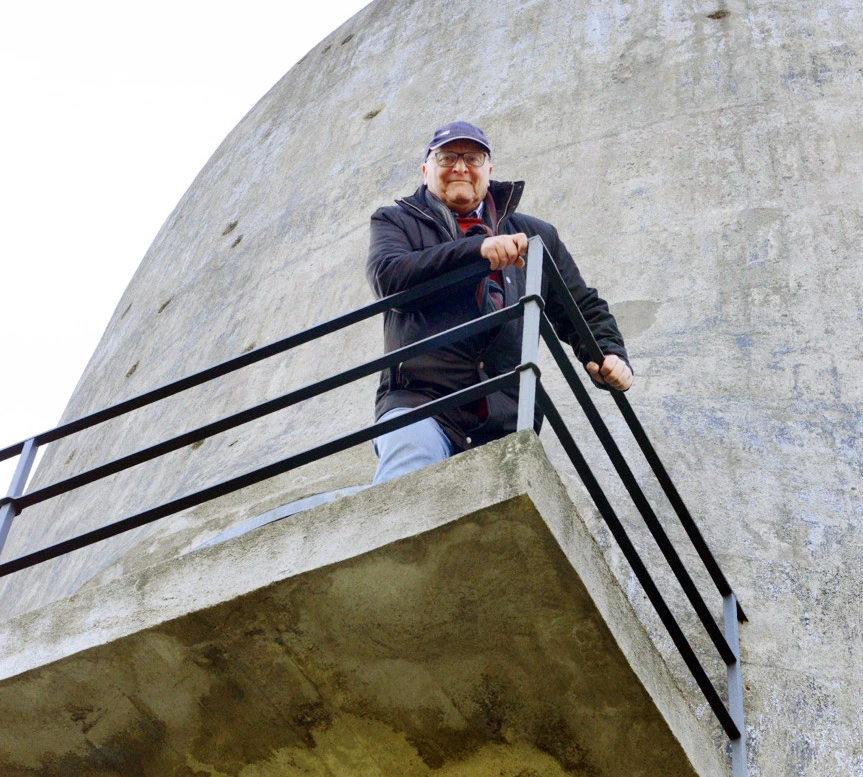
<point x="511" y="469"/>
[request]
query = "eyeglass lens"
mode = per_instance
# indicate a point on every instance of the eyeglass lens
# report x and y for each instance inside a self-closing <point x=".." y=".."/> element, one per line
<point x="450" y="158"/>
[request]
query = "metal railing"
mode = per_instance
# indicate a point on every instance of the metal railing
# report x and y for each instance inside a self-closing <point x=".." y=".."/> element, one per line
<point x="531" y="393"/>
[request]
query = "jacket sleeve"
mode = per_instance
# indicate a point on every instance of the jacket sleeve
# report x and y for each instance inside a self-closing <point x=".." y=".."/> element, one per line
<point x="595" y="310"/>
<point x="400" y="259"/>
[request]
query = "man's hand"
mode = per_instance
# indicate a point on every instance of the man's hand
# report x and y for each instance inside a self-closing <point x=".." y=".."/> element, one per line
<point x="504" y="250"/>
<point x="614" y="372"/>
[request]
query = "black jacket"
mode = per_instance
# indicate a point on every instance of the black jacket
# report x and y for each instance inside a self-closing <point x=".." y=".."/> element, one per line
<point x="411" y="243"/>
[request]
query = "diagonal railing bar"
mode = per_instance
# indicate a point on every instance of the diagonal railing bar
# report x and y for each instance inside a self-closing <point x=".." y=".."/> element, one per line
<point x="677" y="503"/>
<point x="699" y="543"/>
<point x="628" y="478"/>
<point x="637" y="565"/>
<point x="732" y="611"/>
<point x="329" y="448"/>
<point x="309" y="391"/>
<point x="540" y="270"/>
<point x="244" y="360"/>
<point x="735" y="685"/>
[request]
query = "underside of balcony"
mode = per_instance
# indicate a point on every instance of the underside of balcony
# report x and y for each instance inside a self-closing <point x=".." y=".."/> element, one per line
<point x="460" y="620"/>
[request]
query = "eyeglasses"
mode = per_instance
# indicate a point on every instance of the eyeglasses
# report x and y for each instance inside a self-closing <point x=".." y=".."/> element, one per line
<point x="450" y="158"/>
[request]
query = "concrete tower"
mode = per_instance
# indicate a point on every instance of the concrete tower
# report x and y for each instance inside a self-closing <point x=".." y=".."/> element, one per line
<point x="703" y="162"/>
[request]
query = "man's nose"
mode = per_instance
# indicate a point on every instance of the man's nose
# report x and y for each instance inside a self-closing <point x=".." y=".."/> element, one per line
<point x="460" y="165"/>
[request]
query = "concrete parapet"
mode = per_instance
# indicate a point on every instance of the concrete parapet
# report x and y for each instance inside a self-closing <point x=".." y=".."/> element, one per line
<point x="482" y="633"/>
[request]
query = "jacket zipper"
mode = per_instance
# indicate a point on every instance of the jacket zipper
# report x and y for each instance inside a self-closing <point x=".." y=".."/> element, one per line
<point x="505" y="209"/>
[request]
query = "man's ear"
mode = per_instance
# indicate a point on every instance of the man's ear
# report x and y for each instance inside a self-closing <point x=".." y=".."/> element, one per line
<point x="425" y="179"/>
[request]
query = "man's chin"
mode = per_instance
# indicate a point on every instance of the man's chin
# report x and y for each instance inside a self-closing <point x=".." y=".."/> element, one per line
<point x="461" y="203"/>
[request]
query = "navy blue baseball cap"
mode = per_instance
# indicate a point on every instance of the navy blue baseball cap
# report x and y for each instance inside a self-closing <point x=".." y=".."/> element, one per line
<point x="457" y="130"/>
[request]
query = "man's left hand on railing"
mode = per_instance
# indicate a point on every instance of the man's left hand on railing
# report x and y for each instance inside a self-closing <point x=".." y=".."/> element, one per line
<point x="614" y="372"/>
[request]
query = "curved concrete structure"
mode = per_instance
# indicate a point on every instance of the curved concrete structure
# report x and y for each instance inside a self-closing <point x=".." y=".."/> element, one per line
<point x="702" y="162"/>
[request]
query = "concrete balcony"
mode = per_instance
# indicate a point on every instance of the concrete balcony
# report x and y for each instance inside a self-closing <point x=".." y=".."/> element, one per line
<point x="458" y="621"/>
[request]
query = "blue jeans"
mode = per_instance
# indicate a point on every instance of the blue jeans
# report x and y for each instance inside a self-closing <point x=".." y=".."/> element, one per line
<point x="410" y="447"/>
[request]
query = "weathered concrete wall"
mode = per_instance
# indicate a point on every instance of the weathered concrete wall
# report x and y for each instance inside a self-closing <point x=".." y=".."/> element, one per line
<point x="702" y="161"/>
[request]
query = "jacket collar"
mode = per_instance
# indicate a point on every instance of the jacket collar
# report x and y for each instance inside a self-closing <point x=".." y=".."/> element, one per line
<point x="506" y="196"/>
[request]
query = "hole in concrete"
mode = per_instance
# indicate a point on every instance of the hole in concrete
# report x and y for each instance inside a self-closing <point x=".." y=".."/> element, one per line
<point x="250" y="347"/>
<point x="164" y="305"/>
<point x="372" y="114"/>
<point x="347" y="40"/>
<point x="230" y="228"/>
<point x="126" y="311"/>
<point x="134" y="367"/>
<point x="720" y="14"/>
<point x="195" y="445"/>
<point x="236" y="242"/>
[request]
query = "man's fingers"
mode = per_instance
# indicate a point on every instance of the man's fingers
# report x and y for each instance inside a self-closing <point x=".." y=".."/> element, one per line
<point x="614" y="372"/>
<point x="491" y="250"/>
<point x="509" y="245"/>
<point x="504" y="250"/>
<point x="610" y="363"/>
<point x="521" y="248"/>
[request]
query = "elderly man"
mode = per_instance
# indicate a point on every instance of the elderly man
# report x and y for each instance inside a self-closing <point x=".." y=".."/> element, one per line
<point x="457" y="217"/>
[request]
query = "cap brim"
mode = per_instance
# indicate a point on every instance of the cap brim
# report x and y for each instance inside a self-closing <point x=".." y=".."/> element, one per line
<point x="458" y="137"/>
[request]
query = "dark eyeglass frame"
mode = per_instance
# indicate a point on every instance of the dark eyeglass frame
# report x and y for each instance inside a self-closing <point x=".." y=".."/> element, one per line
<point x="464" y="155"/>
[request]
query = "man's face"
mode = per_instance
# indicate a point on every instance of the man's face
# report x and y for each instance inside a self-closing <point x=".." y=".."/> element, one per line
<point x="461" y="188"/>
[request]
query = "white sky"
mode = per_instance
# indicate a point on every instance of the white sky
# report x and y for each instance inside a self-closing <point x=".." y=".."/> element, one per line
<point x="109" y="110"/>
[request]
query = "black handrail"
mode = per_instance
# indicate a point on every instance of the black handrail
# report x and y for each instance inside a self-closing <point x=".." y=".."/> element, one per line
<point x="310" y="391"/>
<point x="586" y="336"/>
<point x="400" y="299"/>
<point x="625" y="544"/>
<point x="262" y="473"/>
<point x="16" y="502"/>
<point x="635" y="492"/>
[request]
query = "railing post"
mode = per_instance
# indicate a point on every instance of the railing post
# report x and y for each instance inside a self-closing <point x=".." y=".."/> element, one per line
<point x="735" y="686"/>
<point x="16" y="488"/>
<point x="530" y="334"/>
